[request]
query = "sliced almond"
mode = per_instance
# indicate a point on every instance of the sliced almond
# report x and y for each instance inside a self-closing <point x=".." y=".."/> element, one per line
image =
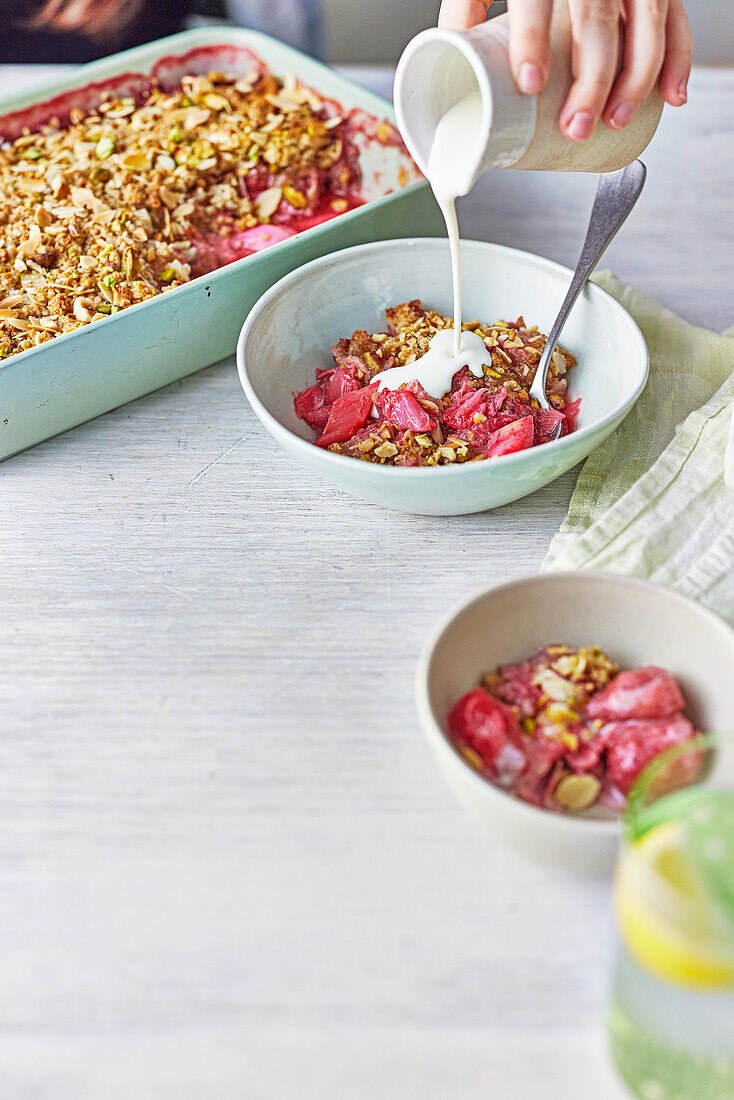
<point x="219" y="137"/>
<point x="577" y="792"/>
<point x="472" y="757"/>
<point x="84" y="196"/>
<point x="285" y="101"/>
<point x="247" y="82"/>
<point x="267" y="202"/>
<point x="32" y="243"/>
<point x="81" y="309"/>
<point x="169" y="198"/>
<point x="122" y="110"/>
<point x="195" y="116"/>
<point x="216" y="102"/>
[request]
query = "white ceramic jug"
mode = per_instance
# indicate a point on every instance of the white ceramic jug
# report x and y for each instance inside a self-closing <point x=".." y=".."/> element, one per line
<point x="440" y="67"/>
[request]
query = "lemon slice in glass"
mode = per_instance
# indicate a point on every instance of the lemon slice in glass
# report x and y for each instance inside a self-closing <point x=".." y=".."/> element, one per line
<point x="666" y="915"/>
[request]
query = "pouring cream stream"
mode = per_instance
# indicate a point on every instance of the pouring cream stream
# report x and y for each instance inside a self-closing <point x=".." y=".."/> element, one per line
<point x="450" y="167"/>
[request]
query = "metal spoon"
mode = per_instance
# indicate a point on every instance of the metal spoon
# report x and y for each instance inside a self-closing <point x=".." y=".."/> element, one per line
<point x="616" y="194"/>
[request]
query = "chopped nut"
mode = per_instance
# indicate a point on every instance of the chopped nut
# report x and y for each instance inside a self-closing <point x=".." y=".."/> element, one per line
<point x="105" y="147"/>
<point x="136" y="161"/>
<point x="295" y="198"/>
<point x="82" y="307"/>
<point x="472" y="757"/>
<point x="577" y="792"/>
<point x="267" y="202"/>
<point x="169" y="198"/>
<point x="216" y="102"/>
<point x="32" y="243"/>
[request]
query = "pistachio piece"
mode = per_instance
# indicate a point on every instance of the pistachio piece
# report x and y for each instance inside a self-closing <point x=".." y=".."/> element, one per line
<point x="105" y="147"/>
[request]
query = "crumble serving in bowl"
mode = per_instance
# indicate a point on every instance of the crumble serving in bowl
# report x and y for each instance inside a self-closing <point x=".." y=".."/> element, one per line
<point x="286" y="336"/>
<point x="566" y="729"/>
<point x="140" y="193"/>
<point x="477" y="418"/>
<point x="642" y="626"/>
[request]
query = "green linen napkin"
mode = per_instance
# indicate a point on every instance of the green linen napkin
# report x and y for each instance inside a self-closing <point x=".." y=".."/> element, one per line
<point x="657" y="498"/>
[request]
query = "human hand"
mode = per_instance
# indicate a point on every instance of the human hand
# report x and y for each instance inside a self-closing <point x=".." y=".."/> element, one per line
<point x="653" y="34"/>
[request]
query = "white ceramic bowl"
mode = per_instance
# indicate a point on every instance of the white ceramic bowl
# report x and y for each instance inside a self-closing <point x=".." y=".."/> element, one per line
<point x="635" y="622"/>
<point x="291" y="329"/>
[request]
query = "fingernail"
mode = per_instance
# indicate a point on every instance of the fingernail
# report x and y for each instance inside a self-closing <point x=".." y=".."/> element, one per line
<point x="622" y="115"/>
<point x="579" y="126"/>
<point x="529" y="78"/>
<point x="683" y="91"/>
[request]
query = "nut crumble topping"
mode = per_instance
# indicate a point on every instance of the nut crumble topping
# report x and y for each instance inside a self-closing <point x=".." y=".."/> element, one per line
<point x="476" y="419"/>
<point x="129" y="200"/>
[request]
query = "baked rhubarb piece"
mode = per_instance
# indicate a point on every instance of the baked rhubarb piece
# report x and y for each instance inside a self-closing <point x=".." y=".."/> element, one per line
<point x="566" y="729"/>
<point x="477" y="418"/>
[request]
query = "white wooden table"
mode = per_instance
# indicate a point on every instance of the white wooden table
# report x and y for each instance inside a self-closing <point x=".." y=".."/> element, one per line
<point x="222" y="874"/>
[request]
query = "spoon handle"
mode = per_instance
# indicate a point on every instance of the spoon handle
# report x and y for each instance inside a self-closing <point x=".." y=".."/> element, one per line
<point x="616" y="194"/>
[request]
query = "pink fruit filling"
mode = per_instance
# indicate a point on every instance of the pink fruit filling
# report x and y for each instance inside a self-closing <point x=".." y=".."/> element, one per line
<point x="477" y="418"/>
<point x="566" y="729"/>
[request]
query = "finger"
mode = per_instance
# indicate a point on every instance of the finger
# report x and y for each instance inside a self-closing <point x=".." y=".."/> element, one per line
<point x="459" y="15"/>
<point x="678" y="49"/>
<point x="530" y="43"/>
<point x="644" y="53"/>
<point x="595" y="28"/>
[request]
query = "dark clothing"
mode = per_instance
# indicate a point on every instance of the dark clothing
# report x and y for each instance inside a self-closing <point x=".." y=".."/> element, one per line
<point x="26" y="45"/>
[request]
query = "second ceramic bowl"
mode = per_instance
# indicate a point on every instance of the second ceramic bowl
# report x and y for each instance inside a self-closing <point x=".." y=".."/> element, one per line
<point x="291" y="329"/>
<point x="635" y="622"/>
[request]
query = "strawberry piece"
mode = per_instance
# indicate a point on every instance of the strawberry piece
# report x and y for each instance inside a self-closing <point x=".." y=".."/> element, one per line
<point x="490" y="727"/>
<point x="641" y="693"/>
<point x="311" y="407"/>
<point x="516" y="687"/>
<point x="543" y="754"/>
<point x="465" y="405"/>
<point x="634" y="743"/>
<point x="546" y="422"/>
<point x="347" y="415"/>
<point x="591" y="746"/>
<point x="571" y="414"/>
<point x="336" y="382"/>
<point x="405" y="411"/>
<point x="517" y="436"/>
<point x="430" y="404"/>
<point x="468" y="402"/>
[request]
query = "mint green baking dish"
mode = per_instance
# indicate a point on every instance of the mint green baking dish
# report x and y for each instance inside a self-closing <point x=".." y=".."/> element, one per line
<point x="82" y="374"/>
